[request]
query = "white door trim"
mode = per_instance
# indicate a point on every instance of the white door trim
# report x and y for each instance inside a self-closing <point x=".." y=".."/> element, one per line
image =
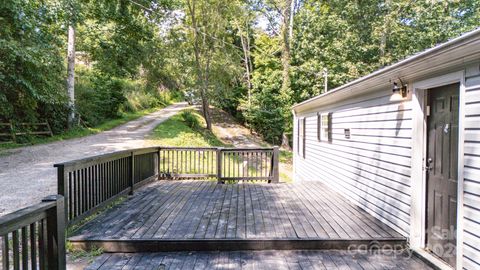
<point x="419" y="149"/>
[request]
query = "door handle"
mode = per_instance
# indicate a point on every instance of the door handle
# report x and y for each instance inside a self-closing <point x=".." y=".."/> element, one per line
<point x="428" y="167"/>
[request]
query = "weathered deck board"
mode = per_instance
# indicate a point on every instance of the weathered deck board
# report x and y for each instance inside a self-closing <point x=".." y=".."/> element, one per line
<point x="204" y="210"/>
<point x="268" y="259"/>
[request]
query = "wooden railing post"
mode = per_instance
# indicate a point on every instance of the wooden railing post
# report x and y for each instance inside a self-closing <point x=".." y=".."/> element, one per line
<point x="132" y="173"/>
<point x="275" y="165"/>
<point x="219" y="165"/>
<point x="62" y="187"/>
<point x="159" y="152"/>
<point x="56" y="253"/>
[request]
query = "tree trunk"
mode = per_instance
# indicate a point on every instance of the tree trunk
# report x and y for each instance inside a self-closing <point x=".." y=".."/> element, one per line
<point x="71" y="74"/>
<point x="247" y="64"/>
<point x="286" y="49"/>
<point x="202" y="75"/>
<point x="285" y="142"/>
<point x="206" y="110"/>
<point x="286" y="92"/>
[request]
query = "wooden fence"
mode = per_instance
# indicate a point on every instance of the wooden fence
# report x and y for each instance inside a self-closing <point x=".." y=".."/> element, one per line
<point x="34" y="237"/>
<point x="8" y="132"/>
<point x="90" y="184"/>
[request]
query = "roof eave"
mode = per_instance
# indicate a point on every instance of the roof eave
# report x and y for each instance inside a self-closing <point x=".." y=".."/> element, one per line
<point x="437" y="51"/>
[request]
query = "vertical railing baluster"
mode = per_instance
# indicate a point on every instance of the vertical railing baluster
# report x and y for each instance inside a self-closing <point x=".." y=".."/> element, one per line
<point x="228" y="163"/>
<point x="88" y="193"/>
<point x="69" y="202"/>
<point x="84" y="191"/>
<point x="42" y="245"/>
<point x="15" y="249"/>
<point x="246" y="163"/>
<point x="95" y="185"/>
<point x="175" y="162"/>
<point x="219" y="165"/>
<point x="182" y="162"/>
<point x="77" y="193"/>
<point x="132" y="171"/>
<point x="24" y="248"/>
<point x="256" y="164"/>
<point x="5" y="252"/>
<point x="158" y="163"/>
<point x="207" y="162"/>
<point x="240" y="164"/>
<point x="197" y="168"/>
<point x="33" y="247"/>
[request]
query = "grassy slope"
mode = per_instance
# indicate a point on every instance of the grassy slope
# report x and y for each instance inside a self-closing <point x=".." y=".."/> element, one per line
<point x="80" y="132"/>
<point x="175" y="132"/>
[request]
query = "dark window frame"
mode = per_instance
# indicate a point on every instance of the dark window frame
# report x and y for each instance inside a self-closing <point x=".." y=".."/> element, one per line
<point x="322" y="130"/>
<point x="330" y="132"/>
<point x="319" y="127"/>
<point x="301" y="136"/>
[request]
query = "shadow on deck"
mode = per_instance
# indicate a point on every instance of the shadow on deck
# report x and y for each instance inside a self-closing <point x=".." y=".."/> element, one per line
<point x="206" y="216"/>
<point x="298" y="259"/>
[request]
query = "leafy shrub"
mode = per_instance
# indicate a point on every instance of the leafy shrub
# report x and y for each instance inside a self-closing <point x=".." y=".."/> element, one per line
<point x="190" y="119"/>
<point x="140" y="100"/>
<point x="31" y="61"/>
<point x="56" y="115"/>
<point x="98" y="97"/>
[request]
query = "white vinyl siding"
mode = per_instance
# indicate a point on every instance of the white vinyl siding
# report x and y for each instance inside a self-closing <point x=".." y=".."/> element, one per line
<point x="372" y="168"/>
<point x="471" y="236"/>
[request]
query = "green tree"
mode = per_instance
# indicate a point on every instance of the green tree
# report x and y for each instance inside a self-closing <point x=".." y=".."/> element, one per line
<point x="31" y="60"/>
<point x="207" y="23"/>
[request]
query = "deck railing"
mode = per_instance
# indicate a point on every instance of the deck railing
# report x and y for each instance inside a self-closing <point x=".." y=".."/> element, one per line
<point x="34" y="237"/>
<point x="222" y="164"/>
<point x="90" y="184"/>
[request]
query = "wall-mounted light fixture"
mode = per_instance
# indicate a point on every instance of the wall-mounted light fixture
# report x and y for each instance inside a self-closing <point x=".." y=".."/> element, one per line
<point x="399" y="92"/>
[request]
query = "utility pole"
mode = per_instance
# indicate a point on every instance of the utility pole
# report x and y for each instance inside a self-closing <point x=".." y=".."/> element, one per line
<point x="292" y="13"/>
<point x="325" y="80"/>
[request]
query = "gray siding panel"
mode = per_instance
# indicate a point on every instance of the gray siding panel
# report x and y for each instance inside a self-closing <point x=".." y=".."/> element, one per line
<point x="372" y="168"/>
<point x="471" y="251"/>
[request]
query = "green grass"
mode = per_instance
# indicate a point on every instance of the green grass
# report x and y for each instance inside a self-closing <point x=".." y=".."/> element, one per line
<point x="176" y="132"/>
<point x="286" y="156"/>
<point x="81" y="131"/>
<point x="90" y="255"/>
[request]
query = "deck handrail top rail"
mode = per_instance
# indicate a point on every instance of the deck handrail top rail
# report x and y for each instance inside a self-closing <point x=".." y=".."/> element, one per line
<point x="119" y="153"/>
<point x="24" y="216"/>
<point x="143" y="150"/>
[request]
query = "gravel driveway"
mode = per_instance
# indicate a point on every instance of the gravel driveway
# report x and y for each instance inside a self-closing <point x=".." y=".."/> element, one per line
<point x="27" y="174"/>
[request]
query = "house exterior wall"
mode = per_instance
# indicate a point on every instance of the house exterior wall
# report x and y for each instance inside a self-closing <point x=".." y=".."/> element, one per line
<point x="373" y="168"/>
<point x="471" y="200"/>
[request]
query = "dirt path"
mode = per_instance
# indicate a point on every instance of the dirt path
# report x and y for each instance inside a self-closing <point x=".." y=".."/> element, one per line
<point x="27" y="174"/>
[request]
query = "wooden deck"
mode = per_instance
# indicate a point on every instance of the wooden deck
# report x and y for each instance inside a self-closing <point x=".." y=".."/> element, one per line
<point x="204" y="215"/>
<point x="299" y="259"/>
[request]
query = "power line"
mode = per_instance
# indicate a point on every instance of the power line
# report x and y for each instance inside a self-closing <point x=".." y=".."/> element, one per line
<point x="191" y="28"/>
